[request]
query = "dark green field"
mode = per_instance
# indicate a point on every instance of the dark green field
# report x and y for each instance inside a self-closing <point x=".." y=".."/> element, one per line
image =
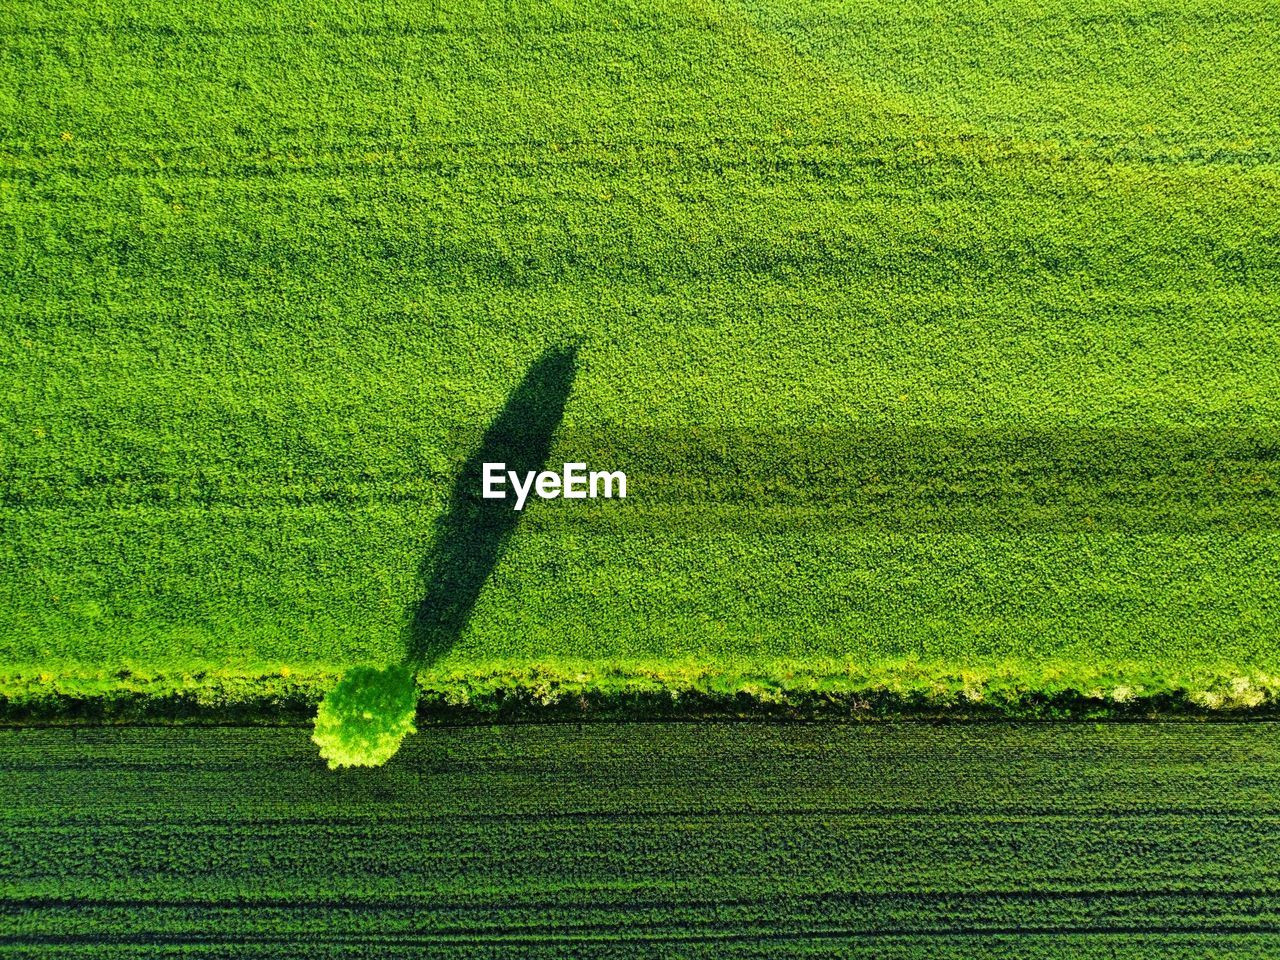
<point x="940" y="343"/>
<point x="715" y="840"/>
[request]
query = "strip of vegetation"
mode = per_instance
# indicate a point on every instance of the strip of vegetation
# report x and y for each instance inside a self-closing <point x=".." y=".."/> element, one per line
<point x="645" y="691"/>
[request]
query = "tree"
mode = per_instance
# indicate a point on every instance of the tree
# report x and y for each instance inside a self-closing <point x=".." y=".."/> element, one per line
<point x="362" y="720"/>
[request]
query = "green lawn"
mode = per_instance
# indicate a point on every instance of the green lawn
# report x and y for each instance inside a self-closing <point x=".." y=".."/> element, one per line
<point x="935" y="339"/>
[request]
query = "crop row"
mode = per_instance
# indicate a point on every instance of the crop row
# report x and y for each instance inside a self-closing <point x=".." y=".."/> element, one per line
<point x="651" y="838"/>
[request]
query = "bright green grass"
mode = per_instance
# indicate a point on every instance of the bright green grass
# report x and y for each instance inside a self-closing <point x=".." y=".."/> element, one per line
<point x="925" y="335"/>
<point x="1121" y="841"/>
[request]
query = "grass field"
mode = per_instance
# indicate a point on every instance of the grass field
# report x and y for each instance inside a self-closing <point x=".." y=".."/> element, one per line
<point x="940" y="343"/>
<point x="715" y="840"/>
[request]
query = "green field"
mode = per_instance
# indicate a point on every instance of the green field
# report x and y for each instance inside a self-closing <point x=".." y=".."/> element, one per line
<point x="648" y="840"/>
<point x="940" y="344"/>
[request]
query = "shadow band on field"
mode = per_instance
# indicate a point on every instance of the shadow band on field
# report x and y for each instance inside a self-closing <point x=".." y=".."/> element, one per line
<point x="473" y="532"/>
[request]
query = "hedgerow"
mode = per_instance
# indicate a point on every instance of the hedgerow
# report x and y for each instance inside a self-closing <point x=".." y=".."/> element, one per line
<point x="590" y="690"/>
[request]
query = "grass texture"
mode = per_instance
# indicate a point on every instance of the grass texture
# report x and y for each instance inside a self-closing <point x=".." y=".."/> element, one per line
<point x="653" y="840"/>
<point x="936" y="341"/>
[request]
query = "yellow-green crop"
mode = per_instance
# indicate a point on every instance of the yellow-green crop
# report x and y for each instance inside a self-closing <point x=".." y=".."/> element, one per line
<point x="931" y="337"/>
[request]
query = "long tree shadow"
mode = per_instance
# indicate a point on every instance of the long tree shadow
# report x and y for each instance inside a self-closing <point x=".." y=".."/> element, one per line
<point x="362" y="721"/>
<point x="473" y="532"/>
